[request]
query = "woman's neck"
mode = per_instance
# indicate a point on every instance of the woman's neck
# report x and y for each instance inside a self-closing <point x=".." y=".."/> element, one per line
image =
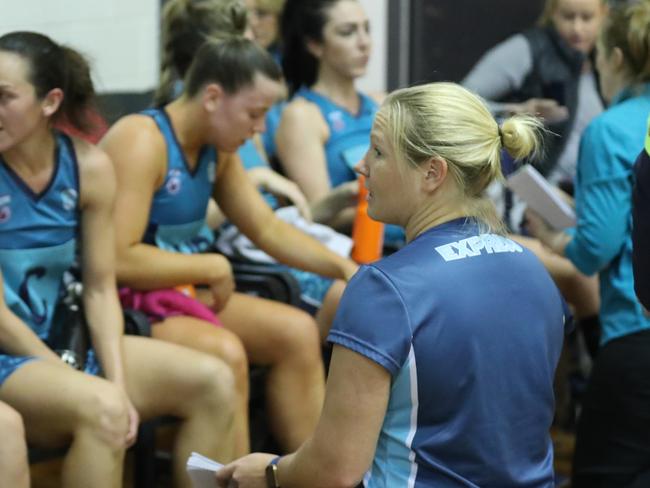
<point x="185" y="115"/>
<point x="339" y="89"/>
<point x="618" y="85"/>
<point x="433" y="212"/>
<point x="34" y="154"/>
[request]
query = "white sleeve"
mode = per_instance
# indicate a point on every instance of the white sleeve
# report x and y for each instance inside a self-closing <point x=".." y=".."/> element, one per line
<point x="502" y="69"/>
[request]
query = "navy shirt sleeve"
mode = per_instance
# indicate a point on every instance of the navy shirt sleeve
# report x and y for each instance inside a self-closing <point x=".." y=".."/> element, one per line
<point x="641" y="229"/>
<point x="372" y="320"/>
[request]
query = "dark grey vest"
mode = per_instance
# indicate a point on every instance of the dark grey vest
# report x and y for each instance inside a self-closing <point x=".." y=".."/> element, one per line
<point x="555" y="74"/>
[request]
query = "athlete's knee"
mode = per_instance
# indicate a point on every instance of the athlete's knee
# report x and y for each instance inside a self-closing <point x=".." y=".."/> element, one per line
<point x="12" y="427"/>
<point x="103" y="410"/>
<point x="301" y="336"/>
<point x="229" y="348"/>
<point x="213" y="383"/>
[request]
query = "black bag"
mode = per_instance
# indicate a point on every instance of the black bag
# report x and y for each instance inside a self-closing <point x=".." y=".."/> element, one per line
<point x="69" y="335"/>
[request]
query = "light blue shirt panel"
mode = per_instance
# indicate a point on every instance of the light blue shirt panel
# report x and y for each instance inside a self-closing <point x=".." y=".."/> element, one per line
<point x="393" y="464"/>
<point x="190" y="238"/>
<point x="602" y="239"/>
<point x="32" y="279"/>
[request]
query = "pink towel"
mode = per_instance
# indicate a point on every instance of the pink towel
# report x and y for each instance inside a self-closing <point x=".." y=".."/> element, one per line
<point x="160" y="304"/>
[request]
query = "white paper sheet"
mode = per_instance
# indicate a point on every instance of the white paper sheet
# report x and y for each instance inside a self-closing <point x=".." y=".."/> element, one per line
<point x="201" y="470"/>
<point x="542" y="197"/>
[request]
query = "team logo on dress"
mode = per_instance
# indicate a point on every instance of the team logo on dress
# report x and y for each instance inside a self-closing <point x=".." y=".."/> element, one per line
<point x="174" y="182"/>
<point x="212" y="171"/>
<point x="5" y="209"/>
<point x="69" y="198"/>
<point x="336" y="119"/>
<point x="5" y="214"/>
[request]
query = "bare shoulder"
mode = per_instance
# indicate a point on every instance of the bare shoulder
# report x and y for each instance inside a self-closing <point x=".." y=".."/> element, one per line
<point x="91" y="159"/>
<point x="377" y="96"/>
<point x="302" y="115"/>
<point x="96" y="173"/>
<point x="300" y="108"/>
<point x="134" y="131"/>
<point x="136" y="138"/>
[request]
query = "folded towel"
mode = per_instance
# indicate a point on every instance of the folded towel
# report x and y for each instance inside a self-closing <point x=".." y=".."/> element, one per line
<point x="168" y="302"/>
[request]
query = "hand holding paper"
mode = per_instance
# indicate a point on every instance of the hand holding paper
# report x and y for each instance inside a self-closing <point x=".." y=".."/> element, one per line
<point x="202" y="471"/>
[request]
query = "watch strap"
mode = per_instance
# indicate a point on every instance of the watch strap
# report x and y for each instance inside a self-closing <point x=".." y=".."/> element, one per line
<point x="272" y="473"/>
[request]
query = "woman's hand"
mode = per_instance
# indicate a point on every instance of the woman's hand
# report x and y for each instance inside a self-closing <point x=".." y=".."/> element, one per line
<point x="555" y="240"/>
<point x="134" y="422"/>
<point x="546" y="108"/>
<point x="339" y="198"/>
<point x="223" y="284"/>
<point x="246" y="472"/>
<point x="281" y="187"/>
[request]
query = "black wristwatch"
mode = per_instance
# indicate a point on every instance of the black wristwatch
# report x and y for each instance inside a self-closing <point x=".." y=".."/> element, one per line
<point x="272" y="473"/>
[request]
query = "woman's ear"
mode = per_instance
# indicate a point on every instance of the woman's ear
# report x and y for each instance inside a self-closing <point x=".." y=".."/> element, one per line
<point x="618" y="58"/>
<point x="212" y="95"/>
<point x="435" y="173"/>
<point x="315" y="48"/>
<point x="52" y="101"/>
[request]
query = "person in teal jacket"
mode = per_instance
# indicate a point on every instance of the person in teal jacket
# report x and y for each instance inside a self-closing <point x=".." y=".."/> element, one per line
<point x="612" y="448"/>
<point x="641" y="224"/>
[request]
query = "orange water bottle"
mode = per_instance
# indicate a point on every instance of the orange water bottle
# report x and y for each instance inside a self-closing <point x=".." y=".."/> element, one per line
<point x="367" y="234"/>
<point x="187" y="290"/>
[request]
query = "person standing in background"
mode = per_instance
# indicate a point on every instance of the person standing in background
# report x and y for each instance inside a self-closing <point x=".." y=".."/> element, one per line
<point x="549" y="71"/>
<point x="641" y="225"/>
<point x="612" y="448"/>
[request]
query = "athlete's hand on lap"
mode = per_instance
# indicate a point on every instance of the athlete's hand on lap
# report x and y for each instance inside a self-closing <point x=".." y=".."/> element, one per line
<point x="285" y="188"/>
<point x="223" y="285"/>
<point x="134" y="422"/>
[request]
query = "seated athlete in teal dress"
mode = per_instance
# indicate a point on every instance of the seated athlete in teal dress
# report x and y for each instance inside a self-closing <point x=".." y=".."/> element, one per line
<point x="56" y="200"/>
<point x="612" y="432"/>
<point x="325" y="128"/>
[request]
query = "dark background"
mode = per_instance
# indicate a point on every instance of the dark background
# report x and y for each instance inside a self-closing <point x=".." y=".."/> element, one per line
<point x="446" y="37"/>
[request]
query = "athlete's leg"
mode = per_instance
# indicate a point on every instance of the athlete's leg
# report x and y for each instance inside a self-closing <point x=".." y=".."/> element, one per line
<point x="285" y="339"/>
<point x="166" y="379"/>
<point x="14" y="468"/>
<point x="60" y="405"/>
<point x="220" y="343"/>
